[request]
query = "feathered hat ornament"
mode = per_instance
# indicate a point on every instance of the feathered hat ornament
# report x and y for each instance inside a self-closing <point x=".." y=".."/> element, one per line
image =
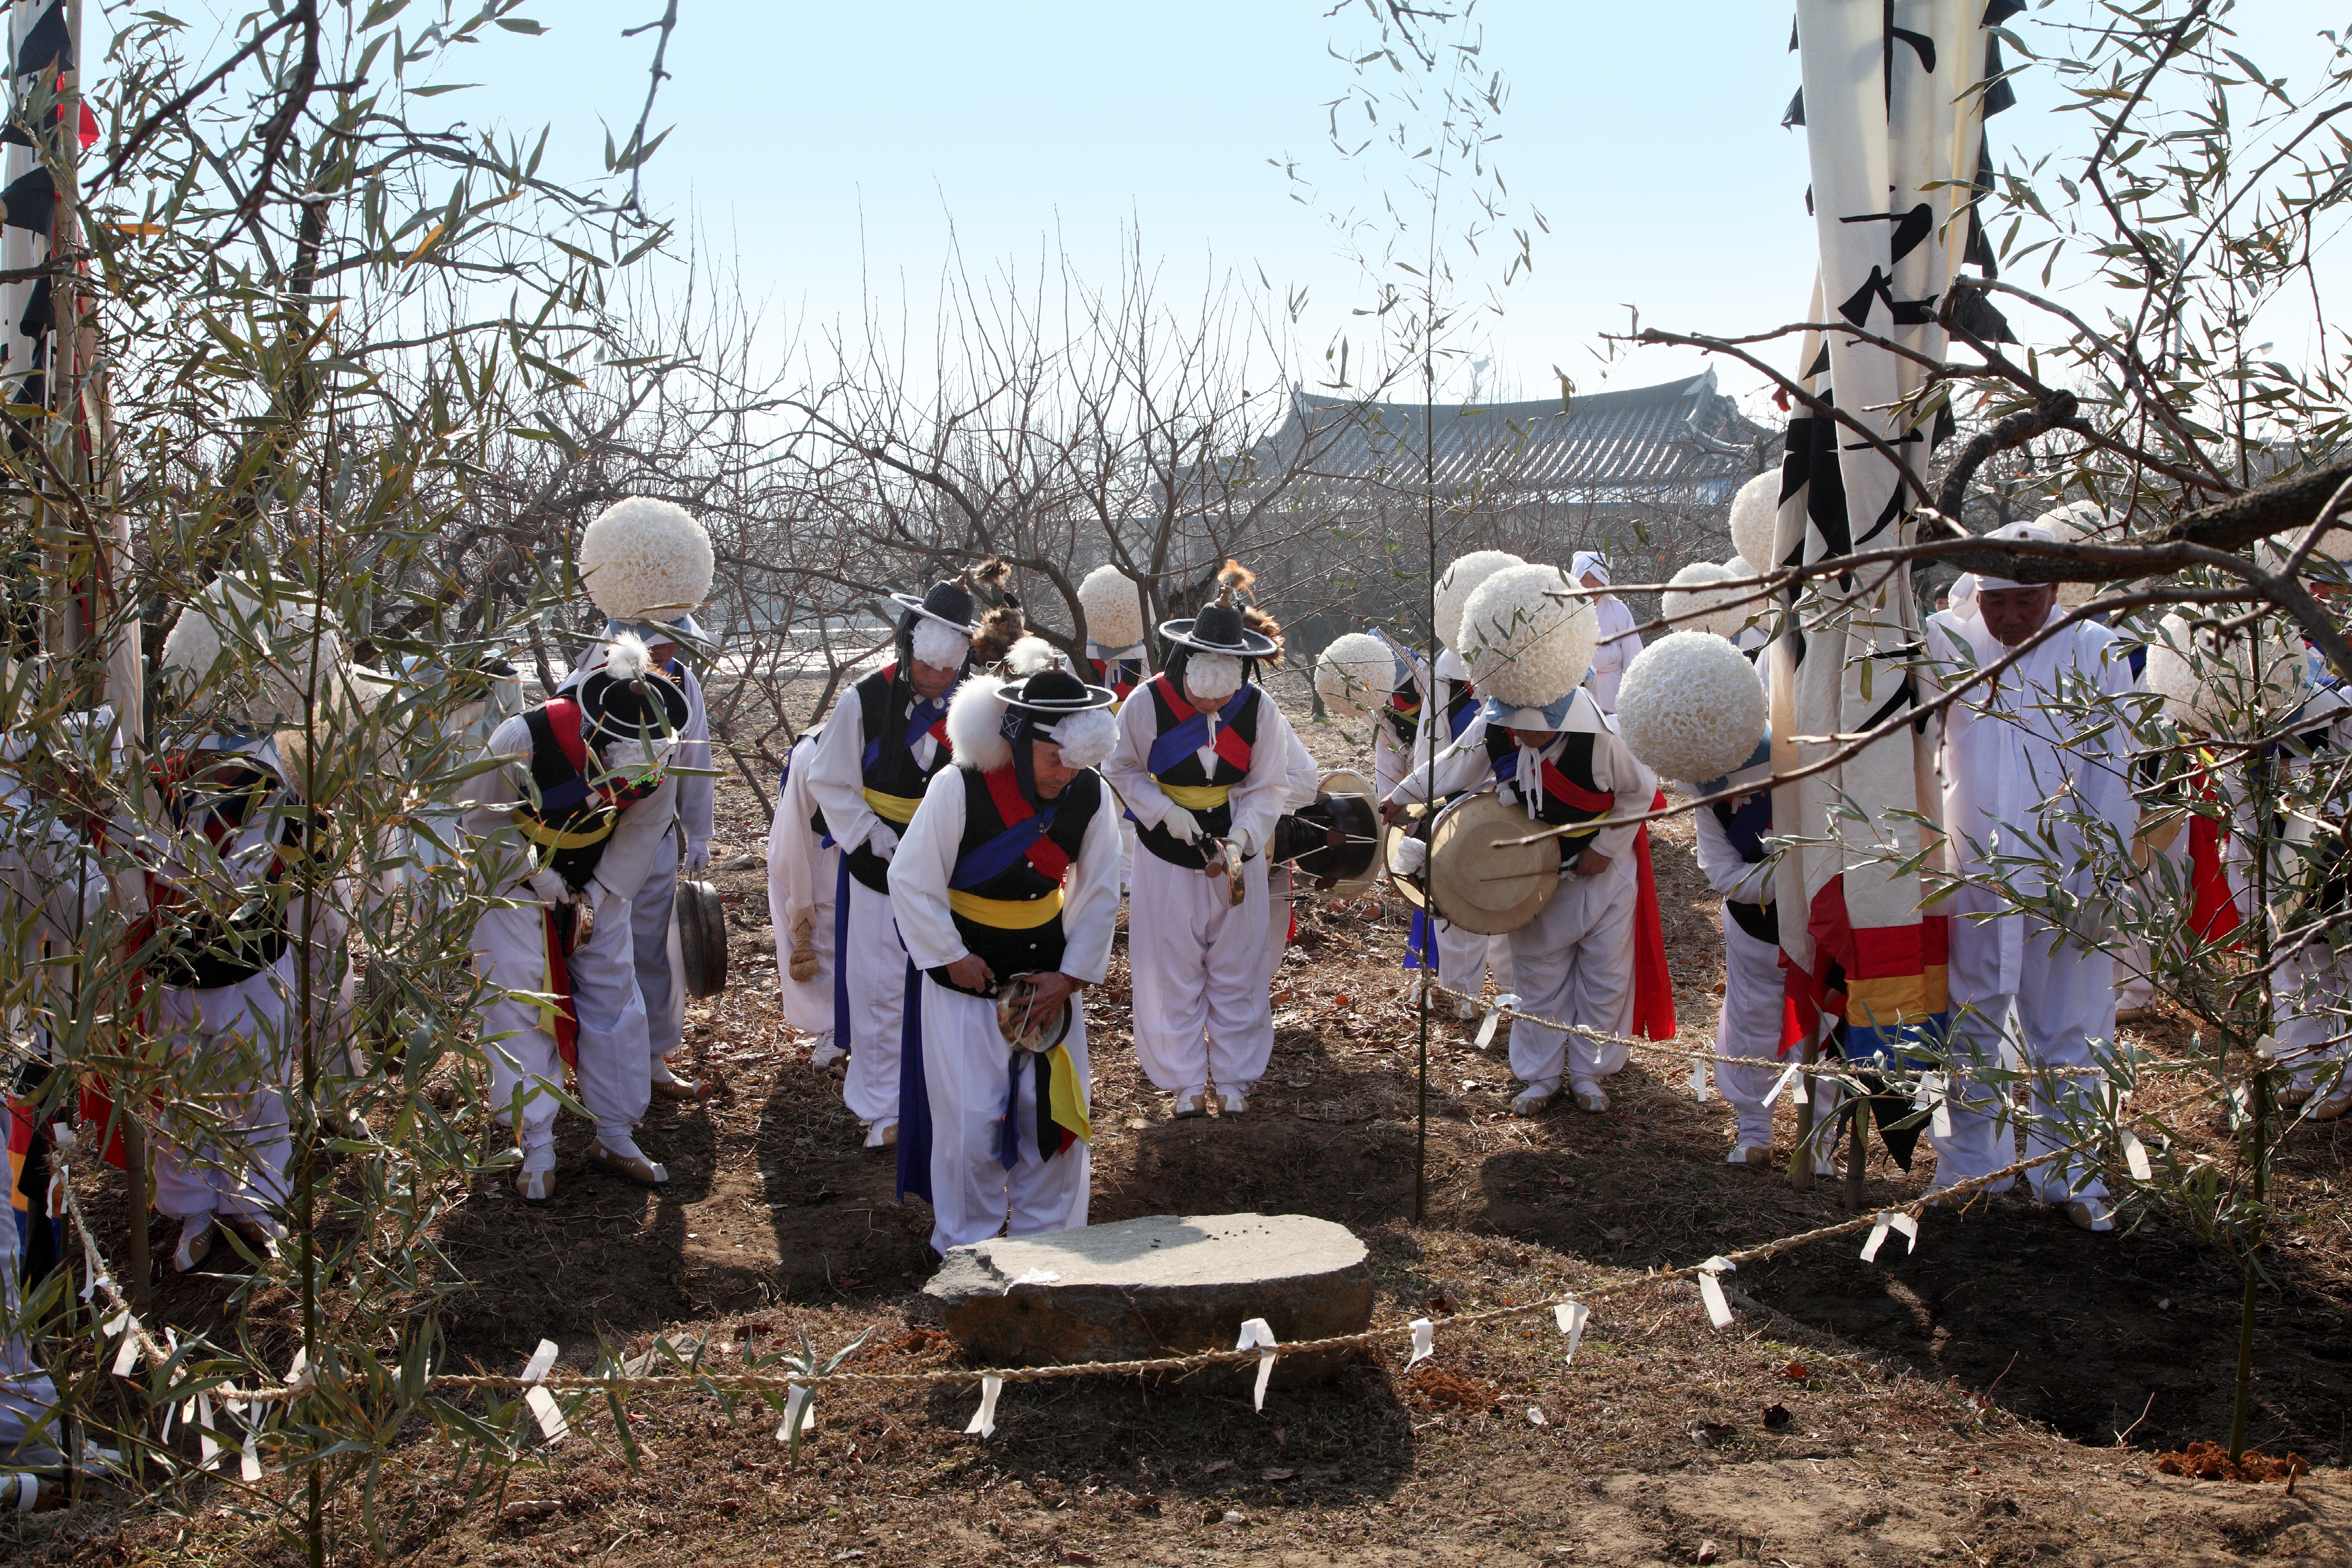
<point x="1221" y="627"/>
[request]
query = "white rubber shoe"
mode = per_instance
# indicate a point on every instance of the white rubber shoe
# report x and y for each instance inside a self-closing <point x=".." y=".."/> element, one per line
<point x="536" y="1180"/>
<point x="1231" y="1102"/>
<point x="196" y="1244"/>
<point x="1589" y="1095"/>
<point x="881" y="1134"/>
<point x="824" y="1054"/>
<point x="1531" y="1101"/>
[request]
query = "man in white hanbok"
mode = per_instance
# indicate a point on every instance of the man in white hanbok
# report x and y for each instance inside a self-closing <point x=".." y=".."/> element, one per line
<point x="2036" y="804"/>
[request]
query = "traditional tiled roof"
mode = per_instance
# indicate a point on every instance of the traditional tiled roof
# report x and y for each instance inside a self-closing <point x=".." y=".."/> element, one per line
<point x="1678" y="436"/>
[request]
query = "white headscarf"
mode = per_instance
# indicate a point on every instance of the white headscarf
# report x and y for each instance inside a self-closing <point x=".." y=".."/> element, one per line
<point x="1590" y="563"/>
<point x="2033" y="531"/>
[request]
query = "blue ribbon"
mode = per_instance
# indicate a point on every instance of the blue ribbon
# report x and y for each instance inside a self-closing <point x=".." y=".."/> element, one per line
<point x="997" y="856"/>
<point x="1175" y="745"/>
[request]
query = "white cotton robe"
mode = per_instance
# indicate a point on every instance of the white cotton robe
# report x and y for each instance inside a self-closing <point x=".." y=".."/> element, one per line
<point x="1755" y="993"/>
<point x="1203" y="1011"/>
<point x="804" y="878"/>
<point x="615" y="1070"/>
<point x="2014" y="770"/>
<point x="967" y="1066"/>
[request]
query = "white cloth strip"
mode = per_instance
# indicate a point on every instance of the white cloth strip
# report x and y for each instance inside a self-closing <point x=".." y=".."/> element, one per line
<point x="1710" y="1290"/>
<point x="1256" y="1333"/>
<point x="126" y="1360"/>
<point x="1424" y="1337"/>
<point x="1787" y="1074"/>
<point x="1877" y="1239"/>
<point x="206" y="1441"/>
<point x="1698" y="1080"/>
<point x="541" y="1403"/>
<point x="983" y="1420"/>
<point x="2135" y="1156"/>
<point x="799" y="1412"/>
<point x="1571" y="1316"/>
<point x="1910" y="1229"/>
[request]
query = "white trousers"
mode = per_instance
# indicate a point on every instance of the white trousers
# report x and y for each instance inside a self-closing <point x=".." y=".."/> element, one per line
<point x="654" y="951"/>
<point x="29" y="1398"/>
<point x="875" y="967"/>
<point x="2134" y="978"/>
<point x="1574" y="962"/>
<point x="615" y="1071"/>
<point x="2311" y="1006"/>
<point x="2065" y="1001"/>
<point x="1280" y="891"/>
<point x="1464" y="959"/>
<point x="802" y="875"/>
<point x="223" y="1149"/>
<point x="967" y="1071"/>
<point x="1202" y="1012"/>
<point x="1748" y="1034"/>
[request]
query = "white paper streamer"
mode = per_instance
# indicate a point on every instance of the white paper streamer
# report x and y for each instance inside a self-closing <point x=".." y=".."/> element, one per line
<point x="1710" y="1290"/>
<point x="1495" y="1018"/>
<point x="204" y="1439"/>
<point x="248" y="1467"/>
<point x="1930" y="1097"/>
<point x="1782" y="1081"/>
<point x="1424" y="1345"/>
<point x="983" y="1420"/>
<point x="1877" y="1239"/>
<point x="2135" y="1155"/>
<point x="1910" y="1229"/>
<point x="126" y="1360"/>
<point x="1571" y="1316"/>
<point x="1880" y="1225"/>
<point x="797" y="1410"/>
<point x="542" y="1404"/>
<point x="1257" y="1333"/>
<point x="298" y="1375"/>
<point x="1699" y="1080"/>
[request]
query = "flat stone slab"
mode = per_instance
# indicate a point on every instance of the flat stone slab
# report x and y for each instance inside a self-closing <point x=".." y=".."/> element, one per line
<point x="1165" y="1285"/>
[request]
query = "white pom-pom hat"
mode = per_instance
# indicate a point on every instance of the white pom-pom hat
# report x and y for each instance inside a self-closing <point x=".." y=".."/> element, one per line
<point x="1526" y="642"/>
<point x="988" y="715"/>
<point x="1457" y="583"/>
<point x="2212" y="688"/>
<point x="247" y="653"/>
<point x="1692" y="603"/>
<point x="647" y="565"/>
<point x="1690" y="706"/>
<point x="2075" y="522"/>
<point x="1756" y="519"/>
<point x="1027" y="656"/>
<point x="1355" y="674"/>
<point x="1112" y="602"/>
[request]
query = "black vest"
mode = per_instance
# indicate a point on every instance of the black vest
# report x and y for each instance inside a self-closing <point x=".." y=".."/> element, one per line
<point x="202" y="948"/>
<point x="567" y="821"/>
<point x="1187" y="771"/>
<point x="1575" y="763"/>
<point x="891" y="767"/>
<point x="1010" y="952"/>
<point x="1761" y="920"/>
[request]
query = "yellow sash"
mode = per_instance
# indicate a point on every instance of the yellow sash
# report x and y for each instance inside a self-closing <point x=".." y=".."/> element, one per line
<point x="898" y="809"/>
<point x="1005" y="913"/>
<point x="540" y="832"/>
<point x="1069" y="1107"/>
<point x="1197" y="797"/>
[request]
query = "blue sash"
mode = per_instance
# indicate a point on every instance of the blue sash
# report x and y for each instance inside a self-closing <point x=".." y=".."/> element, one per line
<point x="1459" y="719"/>
<point x="997" y="856"/>
<point x="919" y="723"/>
<point x="1175" y="745"/>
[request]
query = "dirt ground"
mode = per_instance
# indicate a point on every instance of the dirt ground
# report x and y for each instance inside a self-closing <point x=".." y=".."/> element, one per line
<point x="1996" y="1399"/>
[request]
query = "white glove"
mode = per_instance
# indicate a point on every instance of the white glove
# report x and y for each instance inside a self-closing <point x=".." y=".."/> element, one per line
<point x="883" y="841"/>
<point x="1183" y="826"/>
<point x="1249" y="845"/>
<point x="697" y="855"/>
<point x="549" y="888"/>
<point x="1411" y="855"/>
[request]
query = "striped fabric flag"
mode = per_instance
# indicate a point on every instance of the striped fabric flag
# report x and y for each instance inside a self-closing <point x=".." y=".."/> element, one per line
<point x="1895" y="128"/>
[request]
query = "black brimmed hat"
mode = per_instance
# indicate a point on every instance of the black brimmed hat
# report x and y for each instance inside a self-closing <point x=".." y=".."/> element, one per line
<point x="948" y="603"/>
<point x="1054" y="693"/>
<point x="649" y="708"/>
<point x="1218" y="629"/>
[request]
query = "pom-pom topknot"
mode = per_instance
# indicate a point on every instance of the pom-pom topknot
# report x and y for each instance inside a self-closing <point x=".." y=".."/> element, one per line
<point x="1690" y="707"/>
<point x="2211" y="687"/>
<point x="1756" y="519"/>
<point x="1457" y="583"/>
<point x="1354" y="673"/>
<point x="646" y="560"/>
<point x="1526" y="642"/>
<point x="1693" y="603"/>
<point x="1113" y="605"/>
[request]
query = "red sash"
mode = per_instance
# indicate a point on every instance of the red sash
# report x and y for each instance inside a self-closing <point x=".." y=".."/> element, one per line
<point x="1044" y="853"/>
<point x="1228" y="743"/>
<point x="558" y="980"/>
<point x="1654" y="987"/>
<point x="2213" y="908"/>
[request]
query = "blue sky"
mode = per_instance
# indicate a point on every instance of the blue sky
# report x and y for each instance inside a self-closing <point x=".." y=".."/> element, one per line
<point x="839" y="151"/>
